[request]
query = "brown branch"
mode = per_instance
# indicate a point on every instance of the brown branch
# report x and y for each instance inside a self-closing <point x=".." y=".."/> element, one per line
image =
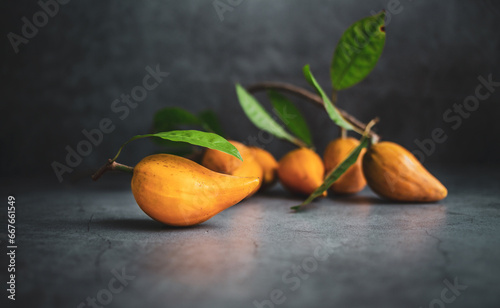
<point x="111" y="165"/>
<point x="303" y="93"/>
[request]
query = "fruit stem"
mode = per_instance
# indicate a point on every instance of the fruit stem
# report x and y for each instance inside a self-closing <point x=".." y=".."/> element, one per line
<point x="370" y="125"/>
<point x="374" y="139"/>
<point x="111" y="165"/>
<point x="334" y="97"/>
<point x="343" y="133"/>
<point x="299" y="143"/>
<point x="359" y="126"/>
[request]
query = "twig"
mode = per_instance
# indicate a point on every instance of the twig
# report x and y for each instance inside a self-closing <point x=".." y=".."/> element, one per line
<point x="111" y="165"/>
<point x="303" y="93"/>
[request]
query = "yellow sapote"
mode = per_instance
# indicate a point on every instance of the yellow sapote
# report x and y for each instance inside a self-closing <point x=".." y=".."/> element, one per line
<point x="301" y="171"/>
<point x="179" y="192"/>
<point x="394" y="173"/>
<point x="268" y="164"/>
<point x="353" y="180"/>
<point x="224" y="163"/>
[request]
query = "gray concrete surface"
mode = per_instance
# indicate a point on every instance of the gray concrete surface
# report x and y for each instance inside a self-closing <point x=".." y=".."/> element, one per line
<point x="352" y="252"/>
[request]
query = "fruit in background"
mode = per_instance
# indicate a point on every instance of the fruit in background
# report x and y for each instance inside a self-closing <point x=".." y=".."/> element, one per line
<point x="301" y="171"/>
<point x="353" y="180"/>
<point x="394" y="173"/>
<point x="224" y="163"/>
<point x="269" y="166"/>
<point x="179" y="192"/>
<point x="221" y="162"/>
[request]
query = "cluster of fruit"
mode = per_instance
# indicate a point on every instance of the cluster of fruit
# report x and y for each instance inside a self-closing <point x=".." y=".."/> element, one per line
<point x="180" y="192"/>
<point x="390" y="170"/>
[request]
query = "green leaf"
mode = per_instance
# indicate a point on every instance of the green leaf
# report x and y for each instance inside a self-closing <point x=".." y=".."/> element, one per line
<point x="210" y="122"/>
<point x="172" y="118"/>
<point x="358" y="51"/>
<point x="194" y="137"/>
<point x="291" y="116"/>
<point x="336" y="173"/>
<point x="330" y="108"/>
<point x="260" y="118"/>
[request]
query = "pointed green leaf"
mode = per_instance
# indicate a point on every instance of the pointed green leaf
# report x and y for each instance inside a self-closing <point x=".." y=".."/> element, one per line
<point x="210" y="122"/>
<point x="260" y="118"/>
<point x="336" y="173"/>
<point x="330" y="108"/>
<point x="291" y="116"/>
<point x="194" y="137"/>
<point x="172" y="118"/>
<point x="358" y="51"/>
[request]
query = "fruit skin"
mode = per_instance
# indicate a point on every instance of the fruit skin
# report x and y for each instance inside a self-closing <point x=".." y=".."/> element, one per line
<point x="179" y="192"/>
<point x="224" y="163"/>
<point x="353" y="180"/>
<point x="301" y="171"/>
<point x="394" y="173"/>
<point x="269" y="166"/>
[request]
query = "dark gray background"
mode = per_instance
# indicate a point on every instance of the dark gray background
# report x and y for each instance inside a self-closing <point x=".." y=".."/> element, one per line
<point x="66" y="77"/>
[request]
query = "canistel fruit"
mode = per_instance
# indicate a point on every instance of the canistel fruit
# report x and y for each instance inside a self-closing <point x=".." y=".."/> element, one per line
<point x="301" y="171"/>
<point x="179" y="192"/>
<point x="224" y="163"/>
<point x="353" y="180"/>
<point x="394" y="173"/>
<point x="268" y="164"/>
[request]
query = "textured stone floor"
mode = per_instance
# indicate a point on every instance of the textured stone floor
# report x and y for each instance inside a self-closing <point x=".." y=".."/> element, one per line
<point x="91" y="240"/>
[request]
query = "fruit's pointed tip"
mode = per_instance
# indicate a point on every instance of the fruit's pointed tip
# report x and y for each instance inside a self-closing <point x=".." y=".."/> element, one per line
<point x="251" y="179"/>
<point x="252" y="184"/>
<point x="444" y="193"/>
<point x="440" y="191"/>
<point x="256" y="182"/>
